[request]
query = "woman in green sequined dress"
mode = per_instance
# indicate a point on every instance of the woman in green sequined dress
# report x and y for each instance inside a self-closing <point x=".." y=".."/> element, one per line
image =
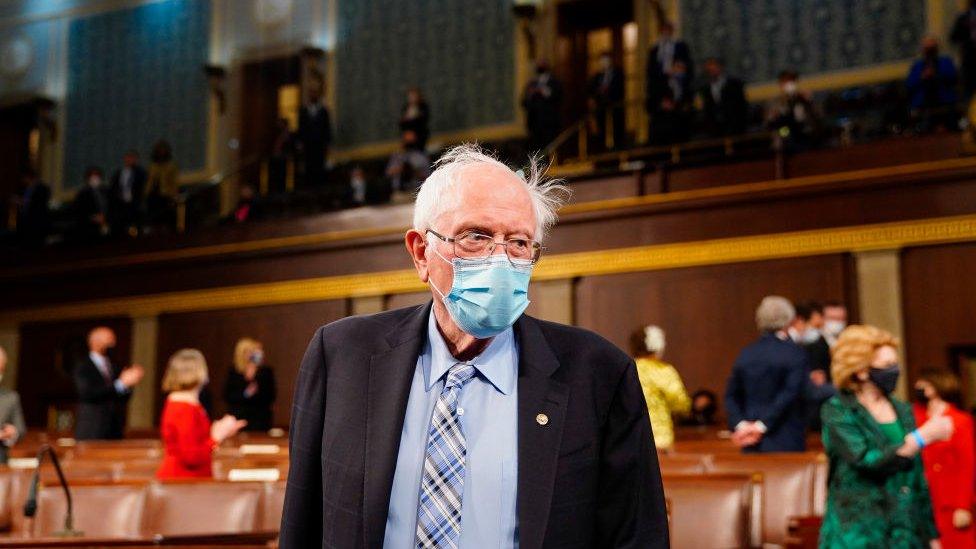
<point x="877" y="495"/>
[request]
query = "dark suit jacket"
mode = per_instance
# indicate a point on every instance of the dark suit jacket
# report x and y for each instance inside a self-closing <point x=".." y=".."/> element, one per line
<point x="656" y="79"/>
<point x="588" y="478"/>
<point x="768" y="384"/>
<point x="101" y="409"/>
<point x="139" y="176"/>
<point x="728" y="115"/>
<point x="609" y="94"/>
<point x="314" y="131"/>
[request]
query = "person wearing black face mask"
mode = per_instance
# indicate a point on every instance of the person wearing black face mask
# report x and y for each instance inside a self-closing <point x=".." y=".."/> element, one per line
<point x="931" y="87"/>
<point x="542" y="99"/>
<point x="877" y="495"/>
<point x="949" y="464"/>
<point x="103" y="388"/>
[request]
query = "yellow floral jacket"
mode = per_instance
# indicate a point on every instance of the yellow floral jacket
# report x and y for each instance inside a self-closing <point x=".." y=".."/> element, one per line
<point x="665" y="395"/>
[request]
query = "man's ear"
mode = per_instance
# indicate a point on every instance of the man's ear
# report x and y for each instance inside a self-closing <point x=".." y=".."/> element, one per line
<point x="417" y="248"/>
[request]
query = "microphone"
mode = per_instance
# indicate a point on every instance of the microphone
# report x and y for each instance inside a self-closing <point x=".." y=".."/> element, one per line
<point x="30" y="506"/>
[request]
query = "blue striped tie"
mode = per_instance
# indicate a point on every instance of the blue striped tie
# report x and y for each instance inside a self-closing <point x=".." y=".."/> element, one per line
<point x="439" y="512"/>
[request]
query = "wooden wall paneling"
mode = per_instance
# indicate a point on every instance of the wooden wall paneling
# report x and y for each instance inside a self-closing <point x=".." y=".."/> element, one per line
<point x="48" y="351"/>
<point x="707" y="312"/>
<point x="284" y="330"/>
<point x="939" y="302"/>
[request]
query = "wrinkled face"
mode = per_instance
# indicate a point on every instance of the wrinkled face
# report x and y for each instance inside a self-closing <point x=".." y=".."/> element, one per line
<point x="492" y="201"/>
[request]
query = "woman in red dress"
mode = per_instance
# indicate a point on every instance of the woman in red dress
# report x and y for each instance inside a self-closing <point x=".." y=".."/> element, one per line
<point x="948" y="464"/>
<point x="189" y="438"/>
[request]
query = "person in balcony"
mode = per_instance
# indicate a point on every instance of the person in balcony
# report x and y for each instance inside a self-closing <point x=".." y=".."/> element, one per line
<point x="792" y="115"/>
<point x="725" y="109"/>
<point x="948" y="464"/>
<point x="668" y="52"/>
<point x="606" y="100"/>
<point x="163" y="186"/>
<point x="877" y="495"/>
<point x="189" y="438"/>
<point x="542" y="99"/>
<point x="931" y="87"/>
<point x="415" y="116"/>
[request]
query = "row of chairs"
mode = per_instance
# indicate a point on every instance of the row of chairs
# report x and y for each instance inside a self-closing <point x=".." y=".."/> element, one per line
<point x="734" y="500"/>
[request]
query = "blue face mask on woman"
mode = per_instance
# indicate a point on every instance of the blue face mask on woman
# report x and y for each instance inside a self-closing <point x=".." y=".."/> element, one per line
<point x="487" y="295"/>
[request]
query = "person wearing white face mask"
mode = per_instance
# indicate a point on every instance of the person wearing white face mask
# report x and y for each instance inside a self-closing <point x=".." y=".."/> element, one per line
<point x="464" y="422"/>
<point x="250" y="391"/>
<point x="835" y="320"/>
<point x="792" y="115"/>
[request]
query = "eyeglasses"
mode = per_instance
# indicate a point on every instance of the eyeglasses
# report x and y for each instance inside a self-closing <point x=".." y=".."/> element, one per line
<point x="474" y="245"/>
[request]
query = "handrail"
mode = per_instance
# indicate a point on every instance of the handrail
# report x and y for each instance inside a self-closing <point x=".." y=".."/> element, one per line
<point x="214" y="181"/>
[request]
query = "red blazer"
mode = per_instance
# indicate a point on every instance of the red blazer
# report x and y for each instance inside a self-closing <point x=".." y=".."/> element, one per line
<point x="949" y="464"/>
<point x="187" y="446"/>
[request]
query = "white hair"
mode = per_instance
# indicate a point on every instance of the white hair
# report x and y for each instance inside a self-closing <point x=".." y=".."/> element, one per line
<point x="774" y="313"/>
<point x="654" y="339"/>
<point x="547" y="195"/>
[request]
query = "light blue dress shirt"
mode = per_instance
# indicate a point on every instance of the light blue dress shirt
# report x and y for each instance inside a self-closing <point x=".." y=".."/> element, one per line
<point x="488" y="407"/>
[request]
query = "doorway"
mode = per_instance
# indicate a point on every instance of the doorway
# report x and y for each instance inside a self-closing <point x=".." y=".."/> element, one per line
<point x="271" y="92"/>
<point x="586" y="29"/>
<point x="19" y="143"/>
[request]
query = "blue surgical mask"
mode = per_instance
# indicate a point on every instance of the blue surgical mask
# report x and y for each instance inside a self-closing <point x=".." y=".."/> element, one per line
<point x="487" y="296"/>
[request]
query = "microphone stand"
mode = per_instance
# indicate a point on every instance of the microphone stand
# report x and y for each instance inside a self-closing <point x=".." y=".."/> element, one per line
<point x="30" y="506"/>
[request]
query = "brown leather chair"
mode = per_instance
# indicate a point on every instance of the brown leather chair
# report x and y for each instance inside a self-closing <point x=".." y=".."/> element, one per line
<point x="100" y="511"/>
<point x="272" y="502"/>
<point x="8" y="484"/>
<point x="710" y="510"/>
<point x="789" y="487"/>
<point x="205" y="507"/>
<point x="684" y="464"/>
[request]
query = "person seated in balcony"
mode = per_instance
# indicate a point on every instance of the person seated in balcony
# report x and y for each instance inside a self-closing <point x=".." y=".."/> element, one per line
<point x="931" y="87"/>
<point x="189" y="438"/>
<point x="415" y="115"/>
<point x="792" y="115"/>
<point x="249" y="207"/>
<point x="33" y="212"/>
<point x="606" y="102"/>
<point x="163" y="186"/>
<point x="126" y="190"/>
<point x="725" y="109"/>
<point x="91" y="207"/>
<point x="542" y="100"/>
<point x="12" y="426"/>
<point x="409" y="166"/>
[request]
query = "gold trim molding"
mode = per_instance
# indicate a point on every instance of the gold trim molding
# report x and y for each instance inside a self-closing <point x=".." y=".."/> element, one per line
<point x="564" y="266"/>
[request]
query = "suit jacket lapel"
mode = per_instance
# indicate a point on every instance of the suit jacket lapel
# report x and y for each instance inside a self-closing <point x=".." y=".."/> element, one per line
<point x="541" y="411"/>
<point x="390" y="376"/>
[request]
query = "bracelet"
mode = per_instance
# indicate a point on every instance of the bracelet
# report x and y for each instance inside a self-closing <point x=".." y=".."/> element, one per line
<point x="918" y="439"/>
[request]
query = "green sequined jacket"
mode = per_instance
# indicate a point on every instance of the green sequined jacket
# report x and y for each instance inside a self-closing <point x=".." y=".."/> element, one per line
<point x="876" y="498"/>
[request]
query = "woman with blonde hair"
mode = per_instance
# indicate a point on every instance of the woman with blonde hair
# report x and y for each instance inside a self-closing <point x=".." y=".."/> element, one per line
<point x="189" y="438"/>
<point x="877" y="494"/>
<point x="250" y="390"/>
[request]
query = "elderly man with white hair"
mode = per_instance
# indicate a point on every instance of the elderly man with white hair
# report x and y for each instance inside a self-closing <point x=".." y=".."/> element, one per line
<point x="12" y="426"/>
<point x="764" y="398"/>
<point x="464" y="423"/>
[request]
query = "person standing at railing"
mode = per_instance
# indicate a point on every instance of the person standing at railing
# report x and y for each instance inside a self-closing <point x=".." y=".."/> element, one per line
<point x="189" y="439"/>
<point x="948" y="464"/>
<point x="876" y="494"/>
<point x="91" y="207"/>
<point x="724" y="106"/>
<point x="415" y="116"/>
<point x="542" y="99"/>
<point x="666" y="53"/>
<point x="314" y="136"/>
<point x="792" y="115"/>
<point x="163" y="186"/>
<point x="931" y="87"/>
<point x="127" y="196"/>
<point x="606" y="99"/>
<point x="963" y="35"/>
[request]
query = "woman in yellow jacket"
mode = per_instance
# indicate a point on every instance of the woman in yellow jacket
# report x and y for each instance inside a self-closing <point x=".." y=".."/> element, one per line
<point x="663" y="390"/>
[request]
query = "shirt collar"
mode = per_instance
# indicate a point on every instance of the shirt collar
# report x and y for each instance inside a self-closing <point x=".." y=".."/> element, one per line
<point x="498" y="363"/>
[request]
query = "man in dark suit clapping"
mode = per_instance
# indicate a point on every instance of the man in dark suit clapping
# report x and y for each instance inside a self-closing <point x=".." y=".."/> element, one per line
<point x="103" y="389"/>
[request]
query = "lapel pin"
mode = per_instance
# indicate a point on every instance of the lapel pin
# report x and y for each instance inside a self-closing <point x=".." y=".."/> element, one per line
<point x="542" y="419"/>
